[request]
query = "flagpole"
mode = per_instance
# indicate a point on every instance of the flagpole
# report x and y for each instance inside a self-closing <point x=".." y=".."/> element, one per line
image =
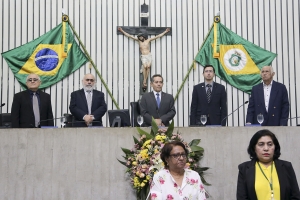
<point x="91" y="61"/>
<point x="191" y="67"/>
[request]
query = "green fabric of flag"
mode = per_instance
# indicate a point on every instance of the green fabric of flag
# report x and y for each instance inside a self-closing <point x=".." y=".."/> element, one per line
<point x="52" y="56"/>
<point x="238" y="61"/>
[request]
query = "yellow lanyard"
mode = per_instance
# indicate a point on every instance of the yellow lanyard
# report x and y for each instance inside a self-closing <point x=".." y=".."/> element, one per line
<point x="270" y="182"/>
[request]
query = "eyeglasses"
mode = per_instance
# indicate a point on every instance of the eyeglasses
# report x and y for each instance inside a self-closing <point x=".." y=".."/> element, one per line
<point x="177" y="156"/>
<point x="32" y="80"/>
<point x="87" y="80"/>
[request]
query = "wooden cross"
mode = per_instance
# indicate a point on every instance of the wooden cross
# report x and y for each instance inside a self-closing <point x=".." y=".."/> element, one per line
<point x="143" y="28"/>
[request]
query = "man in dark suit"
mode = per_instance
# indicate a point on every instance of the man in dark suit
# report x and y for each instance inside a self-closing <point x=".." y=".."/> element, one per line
<point x="32" y="107"/>
<point x="269" y="98"/>
<point x="88" y="105"/>
<point x="157" y="104"/>
<point x="210" y="99"/>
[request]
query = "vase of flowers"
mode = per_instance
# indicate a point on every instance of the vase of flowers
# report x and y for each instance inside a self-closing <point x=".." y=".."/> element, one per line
<point x="143" y="160"/>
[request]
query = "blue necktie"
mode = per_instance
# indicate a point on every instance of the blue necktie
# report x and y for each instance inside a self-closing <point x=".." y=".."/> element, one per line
<point x="157" y="100"/>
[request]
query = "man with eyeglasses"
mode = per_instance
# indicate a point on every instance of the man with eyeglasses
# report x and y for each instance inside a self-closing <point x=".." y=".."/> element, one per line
<point x="87" y="105"/>
<point x="210" y="99"/>
<point x="31" y="108"/>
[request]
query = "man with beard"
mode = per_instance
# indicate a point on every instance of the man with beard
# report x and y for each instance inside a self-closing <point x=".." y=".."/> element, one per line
<point x="87" y="105"/>
<point x="146" y="56"/>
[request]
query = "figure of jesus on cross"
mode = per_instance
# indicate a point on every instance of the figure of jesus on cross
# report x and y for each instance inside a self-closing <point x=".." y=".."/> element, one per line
<point x="146" y="57"/>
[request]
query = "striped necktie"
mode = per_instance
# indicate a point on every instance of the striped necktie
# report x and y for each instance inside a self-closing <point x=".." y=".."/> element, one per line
<point x="208" y="93"/>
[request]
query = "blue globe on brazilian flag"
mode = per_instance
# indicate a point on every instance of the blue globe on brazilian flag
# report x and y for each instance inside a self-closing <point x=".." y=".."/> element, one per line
<point x="52" y="56"/>
<point x="236" y="60"/>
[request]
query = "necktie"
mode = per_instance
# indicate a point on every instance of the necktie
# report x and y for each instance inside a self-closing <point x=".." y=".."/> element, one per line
<point x="208" y="93"/>
<point x="157" y="99"/>
<point x="36" y="109"/>
<point x="89" y="101"/>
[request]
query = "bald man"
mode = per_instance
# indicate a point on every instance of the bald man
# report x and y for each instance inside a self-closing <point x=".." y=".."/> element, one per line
<point x="31" y="108"/>
<point x="269" y="98"/>
<point x="88" y="105"/>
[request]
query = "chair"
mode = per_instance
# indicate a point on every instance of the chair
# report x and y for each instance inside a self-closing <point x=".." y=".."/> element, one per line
<point x="135" y="111"/>
<point x="69" y="120"/>
<point x="5" y="120"/>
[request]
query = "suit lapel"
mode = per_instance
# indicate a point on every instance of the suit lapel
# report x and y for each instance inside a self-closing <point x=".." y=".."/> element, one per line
<point x="82" y="94"/>
<point x="251" y="180"/>
<point x="281" y="177"/>
<point x="162" y="100"/>
<point x="261" y="96"/>
<point x="153" y="99"/>
<point x="203" y="91"/>
<point x="273" y="93"/>
<point x="214" y="88"/>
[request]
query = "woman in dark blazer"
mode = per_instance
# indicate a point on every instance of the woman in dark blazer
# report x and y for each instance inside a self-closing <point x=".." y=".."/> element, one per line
<point x="265" y="176"/>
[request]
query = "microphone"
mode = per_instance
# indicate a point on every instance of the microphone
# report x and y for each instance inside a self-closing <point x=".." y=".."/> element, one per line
<point x="234" y="111"/>
<point x="63" y="119"/>
<point x="3" y="104"/>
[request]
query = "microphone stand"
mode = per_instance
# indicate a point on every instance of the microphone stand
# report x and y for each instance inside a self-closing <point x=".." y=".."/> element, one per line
<point x="234" y="111"/>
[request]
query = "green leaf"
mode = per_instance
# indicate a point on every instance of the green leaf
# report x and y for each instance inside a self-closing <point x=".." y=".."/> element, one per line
<point x="141" y="131"/>
<point x="122" y="162"/>
<point x="194" y="142"/>
<point x="136" y="141"/>
<point x="154" y="128"/>
<point x="126" y="151"/>
<point x="170" y="130"/>
<point x="197" y="148"/>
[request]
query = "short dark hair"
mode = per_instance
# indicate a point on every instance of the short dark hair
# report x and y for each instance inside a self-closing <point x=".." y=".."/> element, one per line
<point x="144" y="35"/>
<point x="156" y="75"/>
<point x="166" y="150"/>
<point x="208" y="66"/>
<point x="256" y="137"/>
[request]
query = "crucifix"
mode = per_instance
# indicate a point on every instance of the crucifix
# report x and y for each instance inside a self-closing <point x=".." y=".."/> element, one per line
<point x="142" y="33"/>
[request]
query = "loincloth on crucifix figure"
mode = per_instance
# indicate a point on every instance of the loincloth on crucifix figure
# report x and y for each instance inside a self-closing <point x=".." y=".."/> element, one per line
<point x="146" y="57"/>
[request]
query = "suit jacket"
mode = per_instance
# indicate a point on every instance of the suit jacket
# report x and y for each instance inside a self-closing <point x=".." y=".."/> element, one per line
<point x="289" y="188"/>
<point x="149" y="109"/>
<point x="78" y="107"/>
<point x="22" y="115"/>
<point x="216" y="109"/>
<point x="278" y="111"/>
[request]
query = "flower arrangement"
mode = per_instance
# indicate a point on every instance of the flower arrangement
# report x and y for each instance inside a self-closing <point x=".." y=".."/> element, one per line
<point x="143" y="160"/>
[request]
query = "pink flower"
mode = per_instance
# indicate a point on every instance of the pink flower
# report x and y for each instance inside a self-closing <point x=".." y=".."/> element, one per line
<point x="153" y="195"/>
<point x="201" y="187"/>
<point x="169" y="197"/>
<point x="193" y="181"/>
<point x="161" y="180"/>
<point x="175" y="184"/>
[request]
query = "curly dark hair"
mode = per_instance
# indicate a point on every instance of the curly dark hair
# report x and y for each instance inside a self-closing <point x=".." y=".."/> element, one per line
<point x="256" y="137"/>
<point x="166" y="150"/>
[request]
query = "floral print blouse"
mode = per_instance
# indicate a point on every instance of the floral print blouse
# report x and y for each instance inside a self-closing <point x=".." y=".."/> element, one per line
<point x="164" y="187"/>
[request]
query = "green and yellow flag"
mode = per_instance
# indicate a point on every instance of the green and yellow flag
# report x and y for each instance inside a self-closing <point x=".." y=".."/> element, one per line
<point x="52" y="56"/>
<point x="236" y="60"/>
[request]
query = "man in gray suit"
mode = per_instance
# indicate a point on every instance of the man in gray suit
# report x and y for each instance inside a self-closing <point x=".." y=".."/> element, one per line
<point x="157" y="104"/>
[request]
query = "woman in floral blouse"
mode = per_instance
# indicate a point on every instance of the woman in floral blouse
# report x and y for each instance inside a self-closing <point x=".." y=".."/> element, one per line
<point x="175" y="181"/>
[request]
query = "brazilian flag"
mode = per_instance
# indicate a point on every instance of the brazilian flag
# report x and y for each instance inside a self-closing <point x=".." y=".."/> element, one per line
<point x="236" y="60"/>
<point x="52" y="56"/>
